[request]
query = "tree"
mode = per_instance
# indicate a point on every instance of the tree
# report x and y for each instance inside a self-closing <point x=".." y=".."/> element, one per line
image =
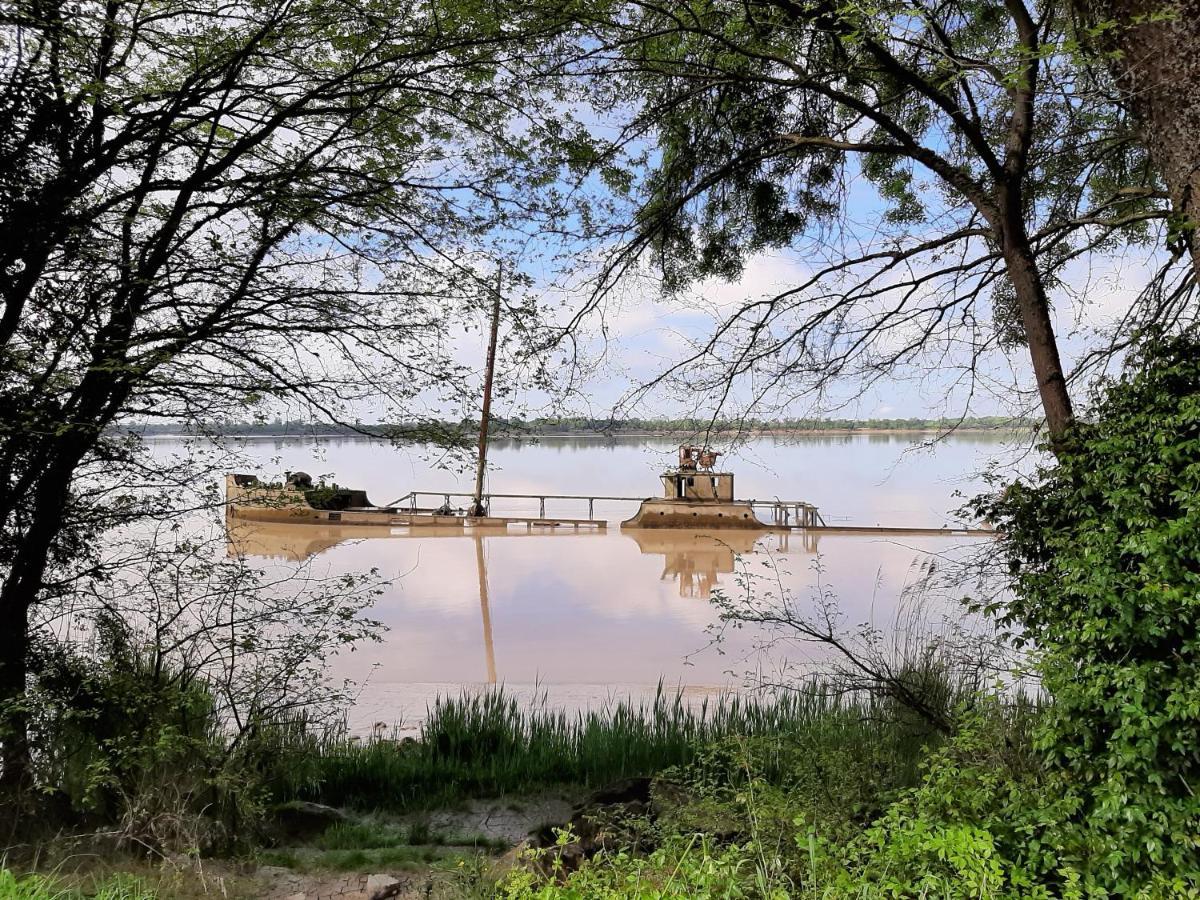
<point x="1152" y="48"/>
<point x="202" y="209"/>
<point x="1103" y="550"/>
<point x="994" y="161"/>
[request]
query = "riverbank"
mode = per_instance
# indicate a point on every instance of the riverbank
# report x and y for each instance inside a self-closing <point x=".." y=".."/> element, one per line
<point x="488" y="786"/>
<point x="498" y="801"/>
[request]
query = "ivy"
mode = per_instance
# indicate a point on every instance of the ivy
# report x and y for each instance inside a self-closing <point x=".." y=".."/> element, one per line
<point x="1104" y="553"/>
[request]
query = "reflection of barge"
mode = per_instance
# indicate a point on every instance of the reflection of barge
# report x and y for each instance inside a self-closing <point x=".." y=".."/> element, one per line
<point x="696" y="559"/>
<point x="696" y="496"/>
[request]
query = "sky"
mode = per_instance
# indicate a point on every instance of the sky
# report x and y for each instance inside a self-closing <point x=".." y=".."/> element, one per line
<point x="639" y="333"/>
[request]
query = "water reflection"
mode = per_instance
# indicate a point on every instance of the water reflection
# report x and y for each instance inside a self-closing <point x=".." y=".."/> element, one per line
<point x="692" y="559"/>
<point x="297" y="543"/>
<point x="485" y="609"/>
<point x="697" y="559"/>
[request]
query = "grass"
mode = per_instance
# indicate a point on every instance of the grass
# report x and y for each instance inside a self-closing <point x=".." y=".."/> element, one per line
<point x="42" y="887"/>
<point x="488" y="744"/>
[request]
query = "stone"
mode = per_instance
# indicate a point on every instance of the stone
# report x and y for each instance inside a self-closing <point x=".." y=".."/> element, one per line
<point x="383" y="887"/>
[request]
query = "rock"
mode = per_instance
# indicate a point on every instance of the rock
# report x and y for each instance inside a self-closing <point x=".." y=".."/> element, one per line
<point x="383" y="887"/>
<point x="301" y="819"/>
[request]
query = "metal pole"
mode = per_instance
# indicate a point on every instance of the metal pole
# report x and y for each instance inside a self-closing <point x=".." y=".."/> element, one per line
<point x="477" y="507"/>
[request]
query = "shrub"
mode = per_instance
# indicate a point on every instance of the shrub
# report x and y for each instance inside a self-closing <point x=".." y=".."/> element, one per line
<point x="1104" y="552"/>
<point x="125" y="743"/>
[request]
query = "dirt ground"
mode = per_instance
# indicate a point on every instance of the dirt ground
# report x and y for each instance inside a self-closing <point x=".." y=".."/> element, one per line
<point x="468" y="841"/>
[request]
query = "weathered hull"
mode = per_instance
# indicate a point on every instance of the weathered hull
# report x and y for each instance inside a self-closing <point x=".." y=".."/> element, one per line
<point x="252" y="502"/>
<point x="306" y="515"/>
<point x="664" y="513"/>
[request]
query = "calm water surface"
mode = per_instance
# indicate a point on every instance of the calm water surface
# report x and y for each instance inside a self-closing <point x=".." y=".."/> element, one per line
<point x="585" y="616"/>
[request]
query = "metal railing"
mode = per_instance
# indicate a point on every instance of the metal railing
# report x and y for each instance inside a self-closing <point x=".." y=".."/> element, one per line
<point x="785" y="513"/>
<point x="807" y="515"/>
<point x="411" y="499"/>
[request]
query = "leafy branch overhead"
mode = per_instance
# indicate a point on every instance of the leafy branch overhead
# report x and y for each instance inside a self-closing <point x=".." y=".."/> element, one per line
<point x="932" y="168"/>
<point x="207" y="210"/>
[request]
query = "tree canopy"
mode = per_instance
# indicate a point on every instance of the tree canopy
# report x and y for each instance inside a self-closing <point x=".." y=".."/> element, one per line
<point x="935" y="170"/>
<point x="205" y="207"/>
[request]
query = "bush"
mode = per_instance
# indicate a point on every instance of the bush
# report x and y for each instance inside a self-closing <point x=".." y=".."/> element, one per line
<point x="982" y="823"/>
<point x="1104" y="552"/>
<point x="127" y="744"/>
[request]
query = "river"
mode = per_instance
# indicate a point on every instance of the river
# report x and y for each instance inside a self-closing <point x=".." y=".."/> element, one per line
<point x="584" y="617"/>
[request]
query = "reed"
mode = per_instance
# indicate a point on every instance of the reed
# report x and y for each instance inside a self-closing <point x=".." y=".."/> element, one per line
<point x="490" y="744"/>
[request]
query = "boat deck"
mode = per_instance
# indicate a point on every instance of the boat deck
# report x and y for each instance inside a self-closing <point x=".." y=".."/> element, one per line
<point x="426" y="521"/>
<point x="408" y="512"/>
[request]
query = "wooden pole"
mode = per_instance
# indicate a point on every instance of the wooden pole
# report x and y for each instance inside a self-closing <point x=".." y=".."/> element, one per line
<point x="477" y="507"/>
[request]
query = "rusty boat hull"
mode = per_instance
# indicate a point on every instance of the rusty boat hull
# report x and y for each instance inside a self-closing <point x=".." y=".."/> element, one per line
<point x="661" y="512"/>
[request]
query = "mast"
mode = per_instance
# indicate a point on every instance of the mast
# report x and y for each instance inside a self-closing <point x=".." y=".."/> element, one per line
<point x="477" y="507"/>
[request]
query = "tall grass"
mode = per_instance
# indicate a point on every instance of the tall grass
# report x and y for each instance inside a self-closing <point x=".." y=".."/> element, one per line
<point x="488" y="744"/>
<point x="41" y="887"/>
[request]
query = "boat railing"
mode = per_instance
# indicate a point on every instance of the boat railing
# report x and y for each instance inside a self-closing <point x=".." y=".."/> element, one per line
<point x="782" y="512"/>
<point x="411" y="498"/>
<point x="786" y="513"/>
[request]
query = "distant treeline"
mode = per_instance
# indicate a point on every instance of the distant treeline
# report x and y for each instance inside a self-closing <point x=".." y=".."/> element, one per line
<point x="465" y="431"/>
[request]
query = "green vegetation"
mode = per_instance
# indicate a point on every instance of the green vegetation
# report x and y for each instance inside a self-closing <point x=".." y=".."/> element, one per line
<point x="1104" y="548"/>
<point x="771" y="818"/>
<point x="39" y="887"/>
<point x="488" y="744"/>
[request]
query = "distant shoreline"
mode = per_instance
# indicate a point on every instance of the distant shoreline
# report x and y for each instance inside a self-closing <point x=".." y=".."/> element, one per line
<point x="561" y="435"/>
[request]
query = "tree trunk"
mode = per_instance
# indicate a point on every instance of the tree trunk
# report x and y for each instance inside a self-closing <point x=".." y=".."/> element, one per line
<point x="15" y="762"/>
<point x="1156" y="64"/>
<point x="18" y="594"/>
<point x="1034" y="307"/>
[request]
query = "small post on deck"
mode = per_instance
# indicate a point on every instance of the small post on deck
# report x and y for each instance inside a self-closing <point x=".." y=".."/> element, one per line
<point x="477" y="507"/>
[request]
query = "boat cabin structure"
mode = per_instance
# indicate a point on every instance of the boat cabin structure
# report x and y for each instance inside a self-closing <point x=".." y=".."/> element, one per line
<point x="696" y="495"/>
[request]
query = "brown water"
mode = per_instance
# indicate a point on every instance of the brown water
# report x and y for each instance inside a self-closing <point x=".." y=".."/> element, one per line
<point x="588" y="616"/>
